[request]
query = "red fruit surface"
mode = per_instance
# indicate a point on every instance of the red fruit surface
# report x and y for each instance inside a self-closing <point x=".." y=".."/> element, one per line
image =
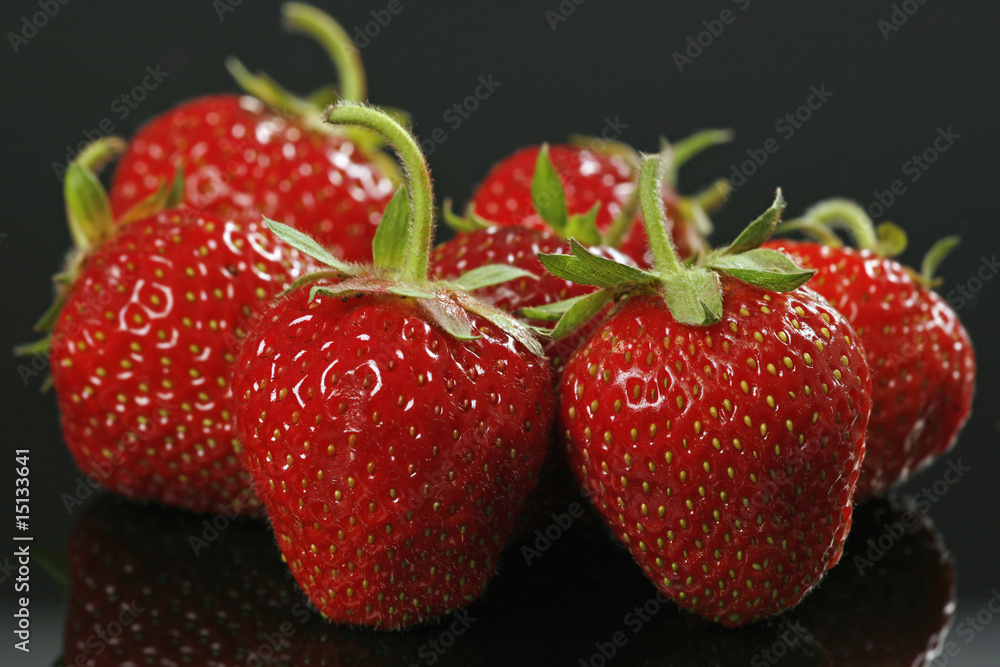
<point x="921" y="357"/>
<point x="588" y="177"/>
<point x="143" y="352"/>
<point x="724" y="457"/>
<point x="392" y="458"/>
<point x="242" y="161"/>
<point x="519" y="246"/>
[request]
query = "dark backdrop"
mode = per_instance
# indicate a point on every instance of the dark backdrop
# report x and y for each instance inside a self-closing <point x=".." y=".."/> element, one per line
<point x="893" y="91"/>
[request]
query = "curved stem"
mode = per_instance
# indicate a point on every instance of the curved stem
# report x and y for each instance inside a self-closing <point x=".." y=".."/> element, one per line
<point x="650" y="199"/>
<point x="811" y="228"/>
<point x="847" y="215"/>
<point x="336" y="41"/>
<point x="418" y="176"/>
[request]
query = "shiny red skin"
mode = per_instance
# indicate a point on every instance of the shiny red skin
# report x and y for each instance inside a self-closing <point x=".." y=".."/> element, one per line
<point x="242" y="161"/>
<point x="519" y="246"/>
<point x="695" y="471"/>
<point x="922" y="361"/>
<point x="392" y="458"/>
<point x="588" y="177"/>
<point x="151" y="586"/>
<point x="143" y="352"/>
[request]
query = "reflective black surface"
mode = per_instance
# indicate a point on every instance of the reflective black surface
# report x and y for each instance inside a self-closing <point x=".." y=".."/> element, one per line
<point x="149" y="585"/>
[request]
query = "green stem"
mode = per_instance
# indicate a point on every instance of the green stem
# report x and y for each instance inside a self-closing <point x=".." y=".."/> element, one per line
<point x="847" y="215"/>
<point x="621" y="225"/>
<point x="336" y="41"/>
<point x="418" y="176"/>
<point x="811" y="228"/>
<point x="651" y="200"/>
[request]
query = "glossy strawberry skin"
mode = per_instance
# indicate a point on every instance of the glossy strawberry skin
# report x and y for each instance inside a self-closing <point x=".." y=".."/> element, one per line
<point x="588" y="177"/>
<point x="519" y="246"/>
<point x="242" y="161"/>
<point x="733" y="507"/>
<point x="922" y="361"/>
<point x="143" y="352"/>
<point x="148" y="589"/>
<point x="392" y="459"/>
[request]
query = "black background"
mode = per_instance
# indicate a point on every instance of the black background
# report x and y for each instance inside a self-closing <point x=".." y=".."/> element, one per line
<point x="606" y="60"/>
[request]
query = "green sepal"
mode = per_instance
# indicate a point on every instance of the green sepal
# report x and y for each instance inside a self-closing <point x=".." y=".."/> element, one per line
<point x="934" y="257"/>
<point x="87" y="208"/>
<point x="891" y="239"/>
<point x="402" y="289"/>
<point x="602" y="266"/>
<point x="584" y="226"/>
<point x="550" y="312"/>
<point x="267" y="90"/>
<point x="469" y="223"/>
<point x="547" y="193"/>
<point x="310" y="278"/>
<point x="758" y="231"/>
<point x="169" y="195"/>
<point x="587" y="269"/>
<point x="490" y="274"/>
<point x="769" y="269"/>
<point x="505" y="321"/>
<point x="392" y="236"/>
<point x="306" y="244"/>
<point x="35" y="348"/>
<point x="580" y="311"/>
<point x="451" y="317"/>
<point x="693" y="296"/>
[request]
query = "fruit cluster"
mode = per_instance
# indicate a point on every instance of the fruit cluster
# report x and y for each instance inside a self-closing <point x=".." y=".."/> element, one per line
<point x="253" y="321"/>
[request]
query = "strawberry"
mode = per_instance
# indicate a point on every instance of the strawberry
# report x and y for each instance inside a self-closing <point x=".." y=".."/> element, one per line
<point x="147" y="588"/>
<point x="892" y="600"/>
<point x="587" y="191"/>
<point x="717" y="418"/>
<point x="393" y="426"/>
<point x="246" y="157"/>
<point x="144" y="333"/>
<point x="923" y="366"/>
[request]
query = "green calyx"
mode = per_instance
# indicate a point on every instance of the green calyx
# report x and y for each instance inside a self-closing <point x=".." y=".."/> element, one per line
<point x="402" y="244"/>
<point x="692" y="291"/>
<point x="886" y="239"/>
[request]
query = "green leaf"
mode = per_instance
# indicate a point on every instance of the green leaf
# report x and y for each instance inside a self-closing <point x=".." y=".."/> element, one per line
<point x="392" y="236"/>
<point x="609" y="270"/>
<point x="401" y="289"/>
<point x="759" y="230"/>
<point x="451" y="317"/>
<point x="763" y="267"/>
<point x="87" y="207"/>
<point x="505" y="321"/>
<point x="693" y="297"/>
<point x="491" y="274"/>
<point x="569" y="267"/>
<point x="936" y="255"/>
<point x="469" y="223"/>
<point x="891" y="239"/>
<point x="550" y="312"/>
<point x="547" y="193"/>
<point x="306" y="244"/>
<point x="582" y="311"/>
<point x="584" y="227"/>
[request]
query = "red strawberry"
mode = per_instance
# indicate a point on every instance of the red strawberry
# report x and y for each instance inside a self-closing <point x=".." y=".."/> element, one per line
<point x="146" y="588"/>
<point x="541" y="187"/>
<point x="146" y="328"/>
<point x="923" y="367"/>
<point x="393" y="426"/>
<point x="718" y="424"/>
<point x="243" y="158"/>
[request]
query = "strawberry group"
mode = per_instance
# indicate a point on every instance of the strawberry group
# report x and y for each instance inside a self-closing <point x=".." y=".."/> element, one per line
<point x="719" y="424"/>
<point x="923" y="367"/>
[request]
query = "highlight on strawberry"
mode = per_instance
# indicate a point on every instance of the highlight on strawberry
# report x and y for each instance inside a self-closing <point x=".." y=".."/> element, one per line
<point x="393" y="424"/>
<point x="717" y="416"/>
<point x="269" y="153"/>
<point x="922" y="361"/>
<point x="150" y="310"/>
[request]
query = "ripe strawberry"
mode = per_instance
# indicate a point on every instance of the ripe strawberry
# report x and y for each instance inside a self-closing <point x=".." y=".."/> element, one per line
<point x="146" y="588"/>
<point x="145" y="329"/>
<point x="921" y="357"/>
<point x="245" y="158"/>
<point x="718" y="424"/>
<point x="592" y="183"/>
<point x="393" y="426"/>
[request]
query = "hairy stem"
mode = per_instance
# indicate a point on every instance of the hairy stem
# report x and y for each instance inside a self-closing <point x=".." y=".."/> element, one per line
<point x="336" y="41"/>
<point x="651" y="200"/>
